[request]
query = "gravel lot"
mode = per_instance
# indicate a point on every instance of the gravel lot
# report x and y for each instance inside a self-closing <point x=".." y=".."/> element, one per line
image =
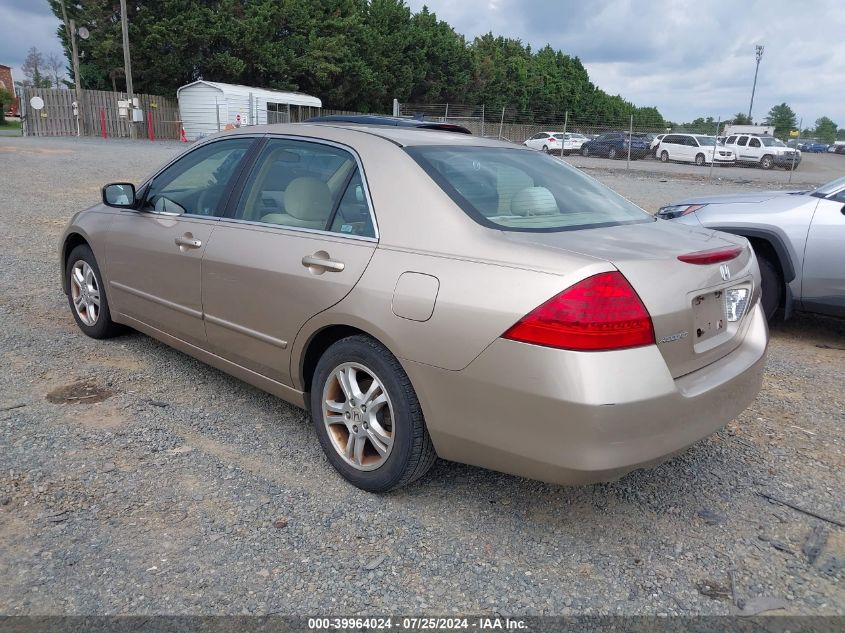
<point x="164" y="486"/>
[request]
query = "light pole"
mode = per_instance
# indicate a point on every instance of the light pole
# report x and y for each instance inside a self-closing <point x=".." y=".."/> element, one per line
<point x="70" y="28"/>
<point x="758" y="52"/>
<point x="127" y="67"/>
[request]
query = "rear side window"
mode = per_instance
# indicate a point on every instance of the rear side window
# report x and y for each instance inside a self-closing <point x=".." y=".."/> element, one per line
<point x="731" y="140"/>
<point x="303" y="185"/>
<point x="518" y="190"/>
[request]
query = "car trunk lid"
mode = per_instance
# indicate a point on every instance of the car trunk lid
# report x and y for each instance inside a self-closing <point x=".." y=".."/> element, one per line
<point x="686" y="301"/>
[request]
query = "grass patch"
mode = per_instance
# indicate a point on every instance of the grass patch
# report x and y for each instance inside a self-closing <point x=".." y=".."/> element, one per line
<point x="10" y="125"/>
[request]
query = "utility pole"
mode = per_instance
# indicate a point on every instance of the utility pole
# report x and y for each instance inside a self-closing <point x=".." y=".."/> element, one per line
<point x="70" y="28"/>
<point x="758" y="52"/>
<point x="127" y="68"/>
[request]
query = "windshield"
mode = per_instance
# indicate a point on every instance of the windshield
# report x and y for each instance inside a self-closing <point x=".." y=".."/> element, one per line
<point x="520" y="190"/>
<point x="831" y="187"/>
<point x="772" y="142"/>
<point x="705" y="140"/>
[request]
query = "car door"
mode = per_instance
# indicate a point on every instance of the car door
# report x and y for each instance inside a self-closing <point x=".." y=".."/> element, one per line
<point x="154" y="254"/>
<point x="823" y="280"/>
<point x="296" y="243"/>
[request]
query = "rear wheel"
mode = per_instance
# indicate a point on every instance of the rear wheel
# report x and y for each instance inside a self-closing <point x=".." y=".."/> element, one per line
<point x="611" y="153"/>
<point x="664" y="156"/>
<point x="699" y="160"/>
<point x="767" y="162"/>
<point x="546" y="148"/>
<point x="368" y="417"/>
<point x="771" y="287"/>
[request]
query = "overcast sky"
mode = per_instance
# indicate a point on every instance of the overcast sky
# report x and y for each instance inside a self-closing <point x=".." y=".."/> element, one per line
<point x="687" y="57"/>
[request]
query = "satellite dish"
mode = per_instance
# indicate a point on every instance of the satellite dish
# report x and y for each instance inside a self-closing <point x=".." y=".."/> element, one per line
<point x="37" y="103"/>
<point x="83" y="33"/>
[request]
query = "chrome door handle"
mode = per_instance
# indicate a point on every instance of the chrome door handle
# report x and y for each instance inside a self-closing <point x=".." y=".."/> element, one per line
<point x="188" y="242"/>
<point x="325" y="263"/>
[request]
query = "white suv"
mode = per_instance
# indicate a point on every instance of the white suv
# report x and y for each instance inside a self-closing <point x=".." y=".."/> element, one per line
<point x="763" y="151"/>
<point x="693" y="148"/>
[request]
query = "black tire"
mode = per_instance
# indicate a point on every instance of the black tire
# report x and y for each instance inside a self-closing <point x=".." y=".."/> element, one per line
<point x="767" y="162"/>
<point x="103" y="327"/>
<point x="611" y="153"/>
<point x="585" y="151"/>
<point x="700" y="160"/>
<point x="664" y="156"/>
<point x="413" y="452"/>
<point x="546" y="148"/>
<point x="771" y="286"/>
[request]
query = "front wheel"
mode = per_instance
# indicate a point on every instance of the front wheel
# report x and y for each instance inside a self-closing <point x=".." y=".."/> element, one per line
<point x="87" y="296"/>
<point x="585" y="151"/>
<point x="611" y="153"/>
<point x="767" y="162"/>
<point x="368" y="418"/>
<point x="664" y="156"/>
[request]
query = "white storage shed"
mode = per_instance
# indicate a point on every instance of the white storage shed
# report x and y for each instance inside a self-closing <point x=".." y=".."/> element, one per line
<point x="206" y="107"/>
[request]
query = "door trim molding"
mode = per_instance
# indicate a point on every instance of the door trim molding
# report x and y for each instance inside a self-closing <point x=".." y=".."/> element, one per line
<point x="240" y="329"/>
<point x="197" y="314"/>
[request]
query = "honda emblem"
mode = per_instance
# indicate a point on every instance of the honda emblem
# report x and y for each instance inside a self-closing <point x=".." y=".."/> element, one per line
<point x="726" y="272"/>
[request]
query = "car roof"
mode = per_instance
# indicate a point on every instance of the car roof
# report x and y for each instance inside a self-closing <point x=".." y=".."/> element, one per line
<point x="390" y="121"/>
<point x="402" y="136"/>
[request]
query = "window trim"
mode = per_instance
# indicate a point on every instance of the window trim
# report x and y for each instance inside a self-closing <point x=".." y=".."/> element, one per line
<point x="145" y="187"/>
<point x="231" y="204"/>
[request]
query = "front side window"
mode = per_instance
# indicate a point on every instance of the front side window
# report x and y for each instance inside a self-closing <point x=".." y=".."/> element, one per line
<point x="706" y="141"/>
<point x="518" y="190"/>
<point x="754" y="142"/>
<point x="300" y="184"/>
<point x="743" y="141"/>
<point x="195" y="183"/>
<point x="731" y="140"/>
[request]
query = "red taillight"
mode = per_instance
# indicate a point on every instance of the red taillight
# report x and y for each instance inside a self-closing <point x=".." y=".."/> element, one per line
<point x="552" y="139"/>
<point x="602" y="312"/>
<point x="713" y="256"/>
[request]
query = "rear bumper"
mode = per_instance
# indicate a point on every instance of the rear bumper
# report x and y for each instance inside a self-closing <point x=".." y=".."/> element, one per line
<point x="572" y="417"/>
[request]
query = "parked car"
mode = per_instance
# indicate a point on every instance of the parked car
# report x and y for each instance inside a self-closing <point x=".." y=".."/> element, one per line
<point x="763" y="151"/>
<point x="840" y="148"/>
<point x="549" y="142"/>
<point x="427" y="293"/>
<point x="654" y="143"/>
<point x="615" y="145"/>
<point x="798" y="237"/>
<point x="555" y="142"/>
<point x="815" y="147"/>
<point x="694" y="148"/>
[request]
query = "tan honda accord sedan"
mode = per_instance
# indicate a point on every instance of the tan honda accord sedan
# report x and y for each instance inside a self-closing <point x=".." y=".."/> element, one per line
<point x="426" y="293"/>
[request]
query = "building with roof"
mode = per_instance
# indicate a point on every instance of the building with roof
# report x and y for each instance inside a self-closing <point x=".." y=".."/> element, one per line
<point x="206" y="107"/>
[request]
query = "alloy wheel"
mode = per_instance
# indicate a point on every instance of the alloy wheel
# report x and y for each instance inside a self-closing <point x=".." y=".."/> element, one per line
<point x="358" y="416"/>
<point x="85" y="292"/>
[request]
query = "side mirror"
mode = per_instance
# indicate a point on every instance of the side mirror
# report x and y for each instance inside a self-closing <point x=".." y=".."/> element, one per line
<point x="120" y="195"/>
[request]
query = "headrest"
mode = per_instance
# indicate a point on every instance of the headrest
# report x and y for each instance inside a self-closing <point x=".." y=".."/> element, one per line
<point x="534" y="201"/>
<point x="308" y="198"/>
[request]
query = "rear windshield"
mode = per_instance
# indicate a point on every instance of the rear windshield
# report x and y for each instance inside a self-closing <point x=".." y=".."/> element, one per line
<point x="520" y="190"/>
